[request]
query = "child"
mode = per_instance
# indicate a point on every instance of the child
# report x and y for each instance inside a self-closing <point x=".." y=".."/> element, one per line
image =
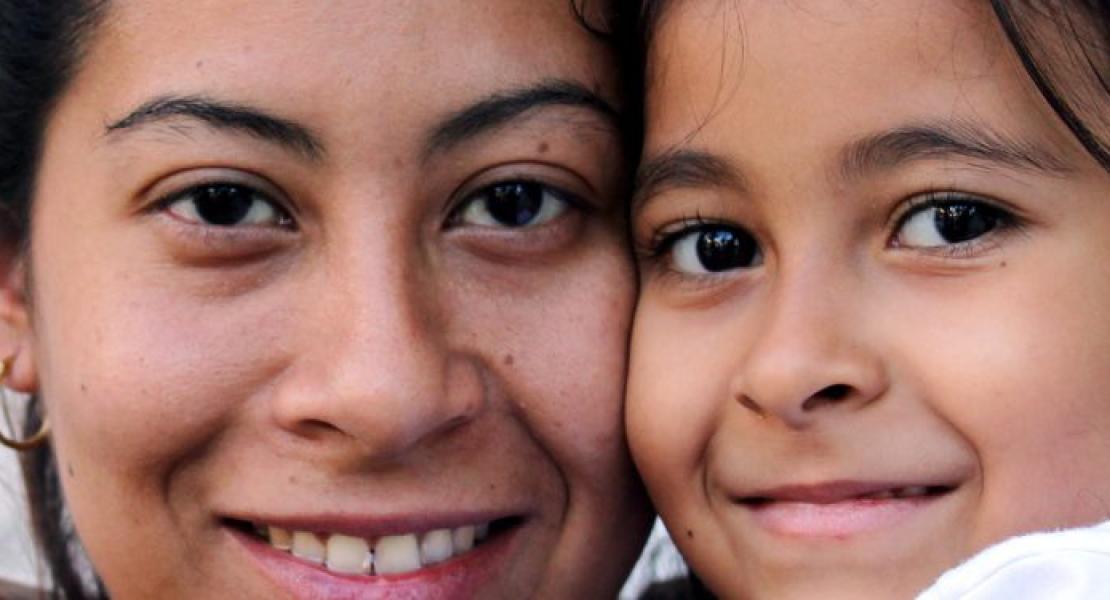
<point x="873" y="336"/>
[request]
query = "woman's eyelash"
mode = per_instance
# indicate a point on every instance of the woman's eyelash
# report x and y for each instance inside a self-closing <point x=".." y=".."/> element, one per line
<point x="225" y="204"/>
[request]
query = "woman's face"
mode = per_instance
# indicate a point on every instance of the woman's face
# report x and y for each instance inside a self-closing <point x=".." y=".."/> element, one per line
<point x="873" y="335"/>
<point x="354" y="271"/>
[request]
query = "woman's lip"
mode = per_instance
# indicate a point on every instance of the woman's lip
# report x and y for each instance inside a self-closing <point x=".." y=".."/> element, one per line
<point x="461" y="577"/>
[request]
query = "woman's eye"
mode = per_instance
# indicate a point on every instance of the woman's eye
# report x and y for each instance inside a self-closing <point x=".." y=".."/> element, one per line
<point x="227" y="205"/>
<point x="947" y="223"/>
<point x="713" y="249"/>
<point x="513" y="205"/>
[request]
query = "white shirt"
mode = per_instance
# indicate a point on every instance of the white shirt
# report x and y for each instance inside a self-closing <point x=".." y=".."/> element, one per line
<point x="1068" y="565"/>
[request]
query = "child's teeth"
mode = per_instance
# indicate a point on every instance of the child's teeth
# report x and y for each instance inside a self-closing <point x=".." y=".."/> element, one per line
<point x="349" y="555"/>
<point x="436" y="546"/>
<point x="463" y="538"/>
<point x="282" y="539"/>
<point x="913" y="491"/>
<point x="396" y="554"/>
<point x="309" y="547"/>
<point x="481" y="532"/>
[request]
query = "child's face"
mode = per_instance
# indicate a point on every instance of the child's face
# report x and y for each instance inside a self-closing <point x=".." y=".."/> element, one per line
<point x="874" y="331"/>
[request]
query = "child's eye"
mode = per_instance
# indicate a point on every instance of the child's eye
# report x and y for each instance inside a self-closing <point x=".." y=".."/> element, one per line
<point x="513" y="205"/>
<point x="226" y="205"/>
<point x="949" y="220"/>
<point x="712" y="248"/>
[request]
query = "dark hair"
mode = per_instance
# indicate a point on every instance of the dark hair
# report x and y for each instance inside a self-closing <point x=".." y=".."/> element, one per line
<point x="1074" y="75"/>
<point x="41" y="48"/>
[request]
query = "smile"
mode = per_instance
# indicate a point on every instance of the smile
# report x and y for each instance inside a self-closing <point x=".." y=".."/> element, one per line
<point x="840" y="509"/>
<point x="383" y="555"/>
<point x="834" y="493"/>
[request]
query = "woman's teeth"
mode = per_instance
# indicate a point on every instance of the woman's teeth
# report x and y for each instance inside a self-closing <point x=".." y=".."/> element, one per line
<point x="386" y="555"/>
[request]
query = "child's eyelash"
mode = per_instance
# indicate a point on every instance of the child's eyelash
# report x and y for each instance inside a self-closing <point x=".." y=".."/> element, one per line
<point x="663" y="238"/>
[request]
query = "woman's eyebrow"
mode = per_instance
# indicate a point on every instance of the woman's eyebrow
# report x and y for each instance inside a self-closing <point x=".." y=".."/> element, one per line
<point x="945" y="140"/>
<point x="224" y="115"/>
<point x="501" y="108"/>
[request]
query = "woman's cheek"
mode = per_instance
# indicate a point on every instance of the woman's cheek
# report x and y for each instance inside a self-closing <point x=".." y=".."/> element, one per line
<point x="145" y="385"/>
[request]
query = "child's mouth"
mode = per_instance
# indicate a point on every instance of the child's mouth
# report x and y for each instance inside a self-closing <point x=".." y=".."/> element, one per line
<point x="839" y="509"/>
<point x="824" y="495"/>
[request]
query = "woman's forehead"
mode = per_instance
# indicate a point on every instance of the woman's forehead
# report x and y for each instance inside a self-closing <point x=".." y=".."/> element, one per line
<point x="349" y="66"/>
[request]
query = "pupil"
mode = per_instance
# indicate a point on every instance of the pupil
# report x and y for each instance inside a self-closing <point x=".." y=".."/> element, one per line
<point x="515" y="204"/>
<point x="223" y="205"/>
<point x="962" y="222"/>
<point x="721" y="250"/>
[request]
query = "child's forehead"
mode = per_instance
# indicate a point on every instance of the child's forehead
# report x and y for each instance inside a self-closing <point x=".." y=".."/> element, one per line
<point x="743" y="48"/>
<point x="772" y="82"/>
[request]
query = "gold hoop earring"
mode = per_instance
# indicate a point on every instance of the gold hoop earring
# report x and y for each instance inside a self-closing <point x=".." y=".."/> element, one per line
<point x="26" y="444"/>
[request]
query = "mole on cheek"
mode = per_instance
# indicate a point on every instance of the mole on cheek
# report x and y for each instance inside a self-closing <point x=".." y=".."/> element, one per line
<point x="543" y="148"/>
<point x="509" y="360"/>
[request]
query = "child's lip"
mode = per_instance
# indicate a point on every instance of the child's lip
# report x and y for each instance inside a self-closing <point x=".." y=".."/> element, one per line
<point x="839" y="509"/>
<point x="831" y="492"/>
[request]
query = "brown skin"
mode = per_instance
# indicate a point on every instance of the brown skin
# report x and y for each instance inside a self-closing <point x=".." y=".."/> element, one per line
<point x="982" y="364"/>
<point x="377" y="357"/>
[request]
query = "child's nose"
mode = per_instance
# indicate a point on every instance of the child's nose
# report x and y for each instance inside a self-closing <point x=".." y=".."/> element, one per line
<point x="809" y="358"/>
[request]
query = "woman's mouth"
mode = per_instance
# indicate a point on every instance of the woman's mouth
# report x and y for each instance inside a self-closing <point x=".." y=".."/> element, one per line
<point x="393" y="554"/>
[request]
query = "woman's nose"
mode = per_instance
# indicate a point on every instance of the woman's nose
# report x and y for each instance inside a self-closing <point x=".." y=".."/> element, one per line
<point x="379" y="374"/>
<point x="809" y="357"/>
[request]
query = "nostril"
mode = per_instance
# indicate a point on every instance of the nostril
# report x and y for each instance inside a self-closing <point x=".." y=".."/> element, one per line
<point x="828" y="395"/>
<point x="835" y="392"/>
<point x="314" y="428"/>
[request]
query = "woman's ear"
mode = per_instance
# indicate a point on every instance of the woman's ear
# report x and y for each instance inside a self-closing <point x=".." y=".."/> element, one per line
<point x="16" y="335"/>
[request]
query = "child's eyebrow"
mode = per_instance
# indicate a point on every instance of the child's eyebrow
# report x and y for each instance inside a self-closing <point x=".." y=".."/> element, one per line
<point x="884" y="151"/>
<point x="684" y="168"/>
<point x="944" y="140"/>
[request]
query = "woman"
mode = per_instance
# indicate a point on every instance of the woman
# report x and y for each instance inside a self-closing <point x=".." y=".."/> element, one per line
<point x="321" y="301"/>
